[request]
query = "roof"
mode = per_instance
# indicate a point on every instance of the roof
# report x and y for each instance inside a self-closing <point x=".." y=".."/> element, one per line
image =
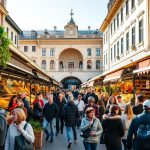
<point x="33" y="34"/>
<point x="13" y="24"/>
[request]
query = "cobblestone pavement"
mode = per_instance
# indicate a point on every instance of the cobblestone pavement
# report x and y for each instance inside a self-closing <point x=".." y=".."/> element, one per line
<point x="60" y="143"/>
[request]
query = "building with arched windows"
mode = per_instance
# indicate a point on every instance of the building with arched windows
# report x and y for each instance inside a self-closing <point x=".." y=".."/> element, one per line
<point x="71" y="56"/>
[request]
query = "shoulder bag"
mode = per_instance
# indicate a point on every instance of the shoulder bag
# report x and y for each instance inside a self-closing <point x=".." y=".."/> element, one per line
<point x="21" y="143"/>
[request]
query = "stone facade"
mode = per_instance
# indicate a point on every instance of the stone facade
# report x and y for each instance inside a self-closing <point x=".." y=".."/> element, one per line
<point x="71" y="53"/>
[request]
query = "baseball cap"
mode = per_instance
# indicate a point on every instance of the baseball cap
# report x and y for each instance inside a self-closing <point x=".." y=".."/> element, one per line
<point x="146" y="103"/>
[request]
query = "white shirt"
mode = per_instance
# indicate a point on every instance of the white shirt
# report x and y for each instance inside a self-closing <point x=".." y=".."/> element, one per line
<point x="80" y="105"/>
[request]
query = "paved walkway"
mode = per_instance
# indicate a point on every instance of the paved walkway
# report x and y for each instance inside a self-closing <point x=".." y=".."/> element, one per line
<point x="60" y="143"/>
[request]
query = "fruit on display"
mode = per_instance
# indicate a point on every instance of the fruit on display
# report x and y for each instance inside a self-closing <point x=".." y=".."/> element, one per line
<point x="4" y="103"/>
<point x="126" y="97"/>
<point x="127" y="87"/>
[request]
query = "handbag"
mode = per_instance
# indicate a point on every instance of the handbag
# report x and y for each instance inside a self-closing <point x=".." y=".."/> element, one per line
<point x="86" y="133"/>
<point x="21" y="143"/>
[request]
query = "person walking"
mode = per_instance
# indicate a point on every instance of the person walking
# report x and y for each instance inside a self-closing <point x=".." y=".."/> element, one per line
<point x="3" y="128"/>
<point x="113" y="129"/>
<point x="60" y="120"/>
<point x="139" y="130"/>
<point x="80" y="105"/>
<point x="17" y="128"/>
<point x="93" y="123"/>
<point x="71" y="114"/>
<point x="126" y="120"/>
<point x="50" y="112"/>
<point x="138" y="108"/>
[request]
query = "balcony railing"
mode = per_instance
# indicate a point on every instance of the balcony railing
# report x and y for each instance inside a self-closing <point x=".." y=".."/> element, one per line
<point x="70" y="70"/>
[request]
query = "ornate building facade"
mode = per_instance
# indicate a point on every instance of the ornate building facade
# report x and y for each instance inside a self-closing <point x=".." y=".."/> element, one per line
<point x="71" y="56"/>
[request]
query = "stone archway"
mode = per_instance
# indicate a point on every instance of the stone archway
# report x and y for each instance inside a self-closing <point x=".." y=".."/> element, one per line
<point x="70" y="59"/>
<point x="71" y="82"/>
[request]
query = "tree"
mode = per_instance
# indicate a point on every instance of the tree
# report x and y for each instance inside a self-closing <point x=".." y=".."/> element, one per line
<point x="4" y="47"/>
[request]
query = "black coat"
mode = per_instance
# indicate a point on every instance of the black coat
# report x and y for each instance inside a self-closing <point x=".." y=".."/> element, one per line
<point x="50" y="111"/>
<point x="132" y="140"/>
<point x="113" y="131"/>
<point x="70" y="114"/>
<point x="137" y="109"/>
<point x="60" y="107"/>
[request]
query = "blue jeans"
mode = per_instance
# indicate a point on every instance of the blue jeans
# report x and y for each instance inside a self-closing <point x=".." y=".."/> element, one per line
<point x="45" y="125"/>
<point x="90" y="146"/>
<point x="69" y="133"/>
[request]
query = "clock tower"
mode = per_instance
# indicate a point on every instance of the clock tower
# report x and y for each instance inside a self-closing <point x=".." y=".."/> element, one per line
<point x="71" y="29"/>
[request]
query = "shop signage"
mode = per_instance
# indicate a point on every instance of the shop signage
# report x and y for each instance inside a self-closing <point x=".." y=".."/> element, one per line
<point x="147" y="84"/>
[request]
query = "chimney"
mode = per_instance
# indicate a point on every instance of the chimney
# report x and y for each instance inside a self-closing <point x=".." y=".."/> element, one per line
<point x="89" y="28"/>
<point x="55" y="28"/>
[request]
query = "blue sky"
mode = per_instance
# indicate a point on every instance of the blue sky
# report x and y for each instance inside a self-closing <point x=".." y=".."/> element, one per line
<point x="44" y="14"/>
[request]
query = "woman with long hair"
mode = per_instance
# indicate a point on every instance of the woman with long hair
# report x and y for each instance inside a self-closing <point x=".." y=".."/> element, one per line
<point x="113" y="129"/>
<point x="126" y="120"/>
<point x="12" y="103"/>
<point x="17" y="128"/>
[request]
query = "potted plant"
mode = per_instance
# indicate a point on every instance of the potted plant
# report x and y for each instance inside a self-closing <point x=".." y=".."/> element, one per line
<point x="4" y="47"/>
<point x="38" y="132"/>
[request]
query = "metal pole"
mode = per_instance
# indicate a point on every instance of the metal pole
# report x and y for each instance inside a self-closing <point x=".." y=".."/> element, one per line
<point x="30" y="90"/>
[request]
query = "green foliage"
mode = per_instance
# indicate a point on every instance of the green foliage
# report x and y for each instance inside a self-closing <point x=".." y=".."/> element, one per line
<point x="4" y="47"/>
<point x="36" y="125"/>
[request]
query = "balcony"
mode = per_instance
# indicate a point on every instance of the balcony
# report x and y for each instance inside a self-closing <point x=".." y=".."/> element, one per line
<point x="71" y="70"/>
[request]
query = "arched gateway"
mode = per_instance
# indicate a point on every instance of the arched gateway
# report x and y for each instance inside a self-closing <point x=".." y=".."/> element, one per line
<point x="71" y="82"/>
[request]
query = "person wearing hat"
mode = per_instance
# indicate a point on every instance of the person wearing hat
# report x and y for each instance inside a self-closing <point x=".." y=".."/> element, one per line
<point x="3" y="128"/>
<point x="90" y="121"/>
<point x="134" y="141"/>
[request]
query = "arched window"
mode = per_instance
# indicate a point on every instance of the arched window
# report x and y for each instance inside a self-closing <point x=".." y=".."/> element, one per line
<point x="61" y="65"/>
<point x="97" y="64"/>
<point x="43" y="64"/>
<point x="52" y="64"/>
<point x="89" y="64"/>
<point x="80" y="64"/>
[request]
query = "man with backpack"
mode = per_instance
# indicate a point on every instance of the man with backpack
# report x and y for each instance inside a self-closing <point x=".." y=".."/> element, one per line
<point x="140" y="130"/>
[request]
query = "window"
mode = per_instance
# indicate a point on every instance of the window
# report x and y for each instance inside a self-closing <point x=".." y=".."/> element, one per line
<point x="44" y="52"/>
<point x="141" y="31"/>
<point x="52" y="52"/>
<point x="15" y="39"/>
<point x="89" y="64"/>
<point x="115" y="51"/>
<point x="132" y="4"/>
<point x="111" y="29"/>
<point x="106" y="58"/>
<point x="89" y="53"/>
<point x="33" y="48"/>
<point x="114" y="25"/>
<point x="7" y="30"/>
<point x="127" y="7"/>
<point x="52" y="64"/>
<point x="118" y="48"/>
<point x="133" y="36"/>
<point x="98" y="52"/>
<point x="97" y="64"/>
<point x="118" y="20"/>
<point x="111" y="55"/>
<point x="122" y="45"/>
<point x="43" y="64"/>
<point x="25" y="48"/>
<point x="80" y="64"/>
<point x="61" y="66"/>
<point x="121" y="14"/>
<point x="127" y="41"/>
<point x="12" y="36"/>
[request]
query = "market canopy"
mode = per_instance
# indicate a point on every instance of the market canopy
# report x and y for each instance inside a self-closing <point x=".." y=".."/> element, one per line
<point x="143" y="67"/>
<point x="113" y="76"/>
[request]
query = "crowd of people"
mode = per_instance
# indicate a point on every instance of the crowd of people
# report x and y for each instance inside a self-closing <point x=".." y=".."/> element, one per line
<point x="101" y="119"/>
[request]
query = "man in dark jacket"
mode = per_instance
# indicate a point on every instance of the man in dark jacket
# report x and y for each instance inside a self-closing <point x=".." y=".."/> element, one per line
<point x="50" y="112"/>
<point x="71" y="114"/>
<point x="60" y="103"/>
<point x="86" y="96"/>
<point x="138" y="109"/>
<point x="95" y="96"/>
<point x="133" y="141"/>
<point x="3" y="128"/>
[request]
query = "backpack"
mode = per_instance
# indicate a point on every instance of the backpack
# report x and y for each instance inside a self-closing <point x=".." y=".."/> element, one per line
<point x="143" y="133"/>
